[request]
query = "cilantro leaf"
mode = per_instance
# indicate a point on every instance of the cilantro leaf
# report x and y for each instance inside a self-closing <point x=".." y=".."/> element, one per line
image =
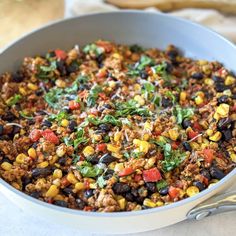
<point x="148" y="89"/>
<point x="161" y="184"/>
<point x="88" y="170"/>
<point x="59" y="116"/>
<point x="108" y="119"/>
<point x="24" y="115"/>
<point x="93" y="48"/>
<point x="101" y="181"/>
<point x="14" y="100"/>
<point x="182" y="113"/>
<point x="93" y="95"/>
<point x="53" y="96"/>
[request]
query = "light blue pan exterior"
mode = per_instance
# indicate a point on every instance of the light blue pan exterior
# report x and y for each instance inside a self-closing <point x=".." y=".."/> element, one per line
<point x="127" y="27"/>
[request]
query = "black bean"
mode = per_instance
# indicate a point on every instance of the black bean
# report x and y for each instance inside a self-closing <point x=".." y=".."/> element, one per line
<point x="186" y="123"/>
<point x="233" y="96"/>
<point x="205" y="173"/>
<point x="47" y="123"/>
<point x="52" y="54"/>
<point x="187" y="146"/>
<point x="143" y="74"/>
<point x="108" y="174"/>
<point x="107" y="159"/>
<point x="25" y="181"/>
<point x="17" y="77"/>
<point x="39" y="92"/>
<point x="80" y="203"/>
<point x="34" y="145"/>
<point x="129" y="197"/>
<point x="15" y="130"/>
<point x="164" y="191"/>
<point x="120" y="188"/>
<point x="223" y="99"/>
<point x="68" y="191"/>
<point x="105" y="127"/>
<point x="61" y="67"/>
<point x="100" y="58"/>
<point x="197" y="75"/>
<point x="6" y="159"/>
<point x="224" y="124"/>
<point x="73" y="67"/>
<point x="94" y="160"/>
<point x="72" y="125"/>
<point x="35" y="194"/>
<point x="62" y="161"/>
<point x="199" y="185"/>
<point x="169" y="67"/>
<point x="220" y="87"/>
<point x="166" y="102"/>
<point x="216" y="173"/>
<point x="217" y="79"/>
<point x="1" y="129"/>
<point x="88" y="193"/>
<point x="135" y="48"/>
<point x="41" y="172"/>
<point x="41" y="112"/>
<point x="227" y="135"/>
<point x="151" y="187"/>
<point x="61" y="203"/>
<point x="172" y="54"/>
<point x="8" y="116"/>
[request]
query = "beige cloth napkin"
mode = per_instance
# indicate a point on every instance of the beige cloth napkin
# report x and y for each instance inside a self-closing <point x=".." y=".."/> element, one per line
<point x="225" y="25"/>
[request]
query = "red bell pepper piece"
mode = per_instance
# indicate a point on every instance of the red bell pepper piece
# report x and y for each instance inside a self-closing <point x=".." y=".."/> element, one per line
<point x="35" y="135"/>
<point x="126" y="171"/>
<point x="137" y="178"/>
<point x="173" y="192"/>
<point x="208" y="155"/>
<point x="50" y="136"/>
<point x="101" y="147"/>
<point x="197" y="126"/>
<point x="192" y="134"/>
<point x="73" y="105"/>
<point x="152" y="175"/>
<point x="60" y="54"/>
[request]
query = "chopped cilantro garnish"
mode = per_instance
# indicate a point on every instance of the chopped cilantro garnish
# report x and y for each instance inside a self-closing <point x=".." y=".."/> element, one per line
<point x="93" y="95"/>
<point x="182" y="113"/>
<point x="14" y="100"/>
<point x="93" y="48"/>
<point x="23" y="114"/>
<point x="53" y="96"/>
<point x="108" y="119"/>
<point x="101" y="181"/>
<point x="161" y="184"/>
<point x="148" y="89"/>
<point x="59" y="116"/>
<point x="88" y="170"/>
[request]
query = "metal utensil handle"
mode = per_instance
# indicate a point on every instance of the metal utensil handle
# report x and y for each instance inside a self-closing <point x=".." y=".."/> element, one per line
<point x="215" y="205"/>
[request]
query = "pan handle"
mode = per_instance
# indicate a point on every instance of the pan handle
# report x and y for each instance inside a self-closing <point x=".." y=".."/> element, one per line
<point x="215" y="205"/>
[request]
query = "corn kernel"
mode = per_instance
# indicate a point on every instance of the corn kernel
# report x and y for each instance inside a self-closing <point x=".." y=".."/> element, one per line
<point x="52" y="191"/>
<point x="122" y="203"/>
<point x="173" y="133"/>
<point x="32" y="86"/>
<point x="60" y="83"/>
<point x="147" y="202"/>
<point x="88" y="151"/>
<point x="140" y="100"/>
<point x="183" y="96"/>
<point x="119" y="167"/>
<point x="43" y="164"/>
<point x="57" y="182"/>
<point x="137" y="87"/>
<point x="227" y="92"/>
<point x="216" y="136"/>
<point x="113" y="148"/>
<point x="54" y="160"/>
<point x="22" y="91"/>
<point x="159" y="203"/>
<point x="233" y="157"/>
<point x="146" y="137"/>
<point x="16" y="185"/>
<point x="32" y="153"/>
<point x="202" y="62"/>
<point x="117" y="136"/>
<point x="58" y="197"/>
<point x="229" y="80"/>
<point x="208" y="81"/>
<point x="216" y="116"/>
<point x="20" y="159"/>
<point x="148" y="126"/>
<point x="200" y="94"/>
<point x="198" y="100"/>
<point x="144" y="146"/>
<point x="6" y="166"/>
<point x="64" y="123"/>
<point x="57" y="174"/>
<point x="79" y="186"/>
<point x="112" y="84"/>
<point x="194" y="145"/>
<point x="223" y="110"/>
<point x="192" y="190"/>
<point x="93" y="186"/>
<point x="209" y="132"/>
<point x="71" y="178"/>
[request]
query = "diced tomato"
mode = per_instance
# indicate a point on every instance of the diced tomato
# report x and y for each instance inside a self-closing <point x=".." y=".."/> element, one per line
<point x="197" y="126"/>
<point x="233" y="109"/>
<point x="192" y="134"/>
<point x="73" y="105"/>
<point x="157" y="132"/>
<point x="101" y="74"/>
<point x="102" y="96"/>
<point x="126" y="171"/>
<point x="50" y="136"/>
<point x="88" y="208"/>
<point x="101" y="147"/>
<point x="106" y="45"/>
<point x="208" y="155"/>
<point x="64" y="182"/>
<point x="173" y="192"/>
<point x="60" y="54"/>
<point x="86" y="184"/>
<point x="175" y="145"/>
<point x="35" y="135"/>
<point x="205" y="181"/>
<point x="50" y="201"/>
<point x="152" y="175"/>
<point x="137" y="178"/>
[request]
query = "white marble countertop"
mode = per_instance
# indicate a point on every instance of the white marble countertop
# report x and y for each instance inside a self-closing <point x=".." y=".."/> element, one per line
<point x="14" y="222"/>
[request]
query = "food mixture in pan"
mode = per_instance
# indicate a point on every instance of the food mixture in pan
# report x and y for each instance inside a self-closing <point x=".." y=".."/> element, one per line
<point x="113" y="128"/>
